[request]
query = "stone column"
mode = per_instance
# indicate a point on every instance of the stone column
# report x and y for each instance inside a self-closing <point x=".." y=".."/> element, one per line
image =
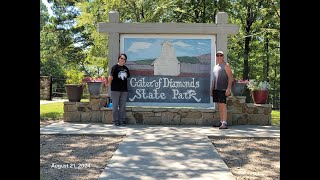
<point x="114" y="40"/>
<point x="113" y="43"/>
<point x="222" y="38"/>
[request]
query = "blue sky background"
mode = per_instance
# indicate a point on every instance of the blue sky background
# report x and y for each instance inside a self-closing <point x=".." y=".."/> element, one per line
<point x="149" y="48"/>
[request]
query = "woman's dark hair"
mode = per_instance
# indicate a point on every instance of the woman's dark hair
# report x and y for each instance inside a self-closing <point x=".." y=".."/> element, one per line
<point x="122" y="55"/>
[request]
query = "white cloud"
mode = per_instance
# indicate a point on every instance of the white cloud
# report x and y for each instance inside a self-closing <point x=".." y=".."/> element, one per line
<point x="135" y="47"/>
<point x="201" y="43"/>
<point x="182" y="44"/>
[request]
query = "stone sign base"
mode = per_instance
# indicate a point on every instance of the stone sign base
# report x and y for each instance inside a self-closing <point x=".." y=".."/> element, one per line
<point x="248" y="113"/>
<point x="239" y="112"/>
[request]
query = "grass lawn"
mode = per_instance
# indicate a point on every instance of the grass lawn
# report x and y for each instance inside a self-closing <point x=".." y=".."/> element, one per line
<point x="55" y="111"/>
<point x="275" y="116"/>
<point x="52" y="111"/>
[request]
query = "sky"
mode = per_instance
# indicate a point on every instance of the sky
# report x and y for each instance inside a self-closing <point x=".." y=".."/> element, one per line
<point x="48" y="6"/>
<point x="150" y="48"/>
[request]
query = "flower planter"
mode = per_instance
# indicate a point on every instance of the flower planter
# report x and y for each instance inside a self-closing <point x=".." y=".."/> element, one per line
<point x="238" y="89"/>
<point x="74" y="92"/>
<point x="260" y="96"/>
<point x="94" y="88"/>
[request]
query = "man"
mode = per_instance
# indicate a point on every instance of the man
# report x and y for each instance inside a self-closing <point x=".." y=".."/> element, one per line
<point x="221" y="87"/>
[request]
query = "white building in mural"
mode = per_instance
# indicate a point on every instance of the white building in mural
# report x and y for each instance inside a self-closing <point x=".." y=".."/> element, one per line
<point x="167" y="63"/>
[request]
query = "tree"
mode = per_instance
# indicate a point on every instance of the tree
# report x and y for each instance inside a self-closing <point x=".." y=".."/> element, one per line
<point x="44" y="15"/>
<point x="71" y="40"/>
<point x="60" y="39"/>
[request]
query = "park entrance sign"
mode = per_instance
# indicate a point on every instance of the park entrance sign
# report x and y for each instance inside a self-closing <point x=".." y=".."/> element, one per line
<point x="170" y="63"/>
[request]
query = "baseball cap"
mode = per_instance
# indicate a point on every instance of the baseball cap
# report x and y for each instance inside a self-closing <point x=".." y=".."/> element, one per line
<point x="219" y="52"/>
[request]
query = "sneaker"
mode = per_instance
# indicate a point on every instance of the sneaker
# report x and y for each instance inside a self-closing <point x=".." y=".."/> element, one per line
<point x="117" y="124"/>
<point x="217" y="124"/>
<point x="223" y="126"/>
<point x="123" y="124"/>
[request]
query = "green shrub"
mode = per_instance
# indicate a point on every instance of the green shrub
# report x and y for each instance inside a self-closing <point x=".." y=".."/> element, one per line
<point x="74" y="77"/>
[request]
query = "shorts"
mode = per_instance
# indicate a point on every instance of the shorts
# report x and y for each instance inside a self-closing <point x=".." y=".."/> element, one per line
<point x="219" y="96"/>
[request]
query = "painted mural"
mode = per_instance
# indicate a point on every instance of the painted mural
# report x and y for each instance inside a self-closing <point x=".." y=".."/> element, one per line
<point x="169" y="68"/>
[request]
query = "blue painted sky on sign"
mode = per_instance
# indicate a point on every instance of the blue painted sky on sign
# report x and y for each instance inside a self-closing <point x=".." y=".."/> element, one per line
<point x="149" y="48"/>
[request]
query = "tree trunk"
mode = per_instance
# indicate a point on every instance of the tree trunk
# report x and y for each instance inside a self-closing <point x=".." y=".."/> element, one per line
<point x="266" y="63"/>
<point x="204" y="12"/>
<point x="249" y="21"/>
<point x="274" y="83"/>
<point x="246" y="58"/>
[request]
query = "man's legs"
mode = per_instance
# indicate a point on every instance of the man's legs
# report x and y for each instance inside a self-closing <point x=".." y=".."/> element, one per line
<point x="223" y="112"/>
<point x="217" y="95"/>
<point x="122" y="107"/>
<point x="115" y="97"/>
<point x="222" y="105"/>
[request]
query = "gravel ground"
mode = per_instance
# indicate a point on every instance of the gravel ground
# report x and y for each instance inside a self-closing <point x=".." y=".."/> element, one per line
<point x="250" y="158"/>
<point x="75" y="157"/>
<point x="83" y="157"/>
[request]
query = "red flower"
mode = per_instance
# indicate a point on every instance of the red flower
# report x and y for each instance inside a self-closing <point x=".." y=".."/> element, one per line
<point x="241" y="81"/>
<point x="95" y="79"/>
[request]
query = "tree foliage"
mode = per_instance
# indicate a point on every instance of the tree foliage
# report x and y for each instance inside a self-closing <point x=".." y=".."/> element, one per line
<point x="70" y="39"/>
<point x="44" y="14"/>
<point x="255" y="52"/>
<point x="59" y="40"/>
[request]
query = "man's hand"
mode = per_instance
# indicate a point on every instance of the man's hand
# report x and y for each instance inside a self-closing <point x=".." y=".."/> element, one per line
<point x="228" y="92"/>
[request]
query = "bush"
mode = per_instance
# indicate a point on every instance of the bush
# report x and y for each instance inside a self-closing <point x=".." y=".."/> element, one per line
<point x="74" y="77"/>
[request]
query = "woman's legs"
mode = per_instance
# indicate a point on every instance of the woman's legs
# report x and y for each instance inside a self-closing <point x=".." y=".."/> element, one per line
<point x="122" y="107"/>
<point x="115" y="97"/>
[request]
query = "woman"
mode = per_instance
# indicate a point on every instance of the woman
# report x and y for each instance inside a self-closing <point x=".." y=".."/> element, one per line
<point x="119" y="90"/>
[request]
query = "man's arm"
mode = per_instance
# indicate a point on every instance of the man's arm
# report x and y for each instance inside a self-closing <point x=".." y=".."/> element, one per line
<point x="230" y="79"/>
<point x="212" y="87"/>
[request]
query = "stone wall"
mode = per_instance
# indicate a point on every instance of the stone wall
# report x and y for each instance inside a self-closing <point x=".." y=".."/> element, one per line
<point x="249" y="113"/>
<point x="239" y="113"/>
<point x="45" y="90"/>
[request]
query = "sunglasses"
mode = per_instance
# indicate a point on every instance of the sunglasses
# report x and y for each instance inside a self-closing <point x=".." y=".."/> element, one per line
<point x="123" y="58"/>
<point x="219" y="55"/>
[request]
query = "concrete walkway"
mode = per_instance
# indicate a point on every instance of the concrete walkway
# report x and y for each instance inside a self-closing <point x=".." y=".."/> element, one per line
<point x="164" y="152"/>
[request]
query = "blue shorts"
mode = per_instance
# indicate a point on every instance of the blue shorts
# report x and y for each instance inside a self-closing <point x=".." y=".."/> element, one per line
<point x="219" y="96"/>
